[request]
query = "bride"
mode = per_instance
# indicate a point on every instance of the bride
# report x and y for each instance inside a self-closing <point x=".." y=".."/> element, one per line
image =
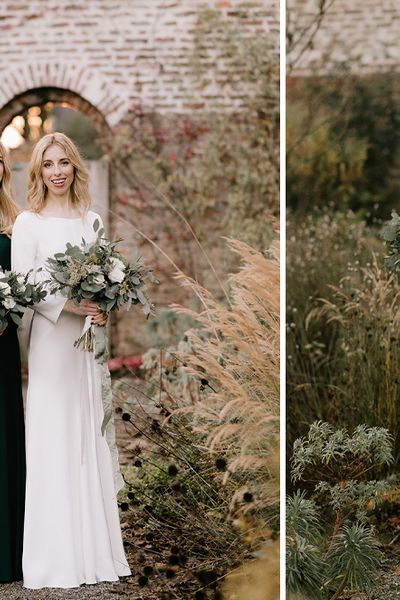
<point x="72" y="532"/>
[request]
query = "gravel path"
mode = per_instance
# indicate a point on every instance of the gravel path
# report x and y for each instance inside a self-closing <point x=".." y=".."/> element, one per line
<point x="100" y="591"/>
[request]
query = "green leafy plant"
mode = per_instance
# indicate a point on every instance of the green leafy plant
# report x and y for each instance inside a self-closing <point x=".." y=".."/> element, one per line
<point x="334" y="464"/>
<point x="355" y="558"/>
<point x="338" y="151"/>
<point x="305" y="566"/>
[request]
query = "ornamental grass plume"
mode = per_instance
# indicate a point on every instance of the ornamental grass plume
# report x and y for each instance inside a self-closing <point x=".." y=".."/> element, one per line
<point x="234" y="354"/>
<point x="208" y="479"/>
<point x="363" y="312"/>
<point x="235" y="357"/>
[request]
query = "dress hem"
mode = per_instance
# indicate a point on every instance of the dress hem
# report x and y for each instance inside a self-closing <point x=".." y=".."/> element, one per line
<point x="75" y="585"/>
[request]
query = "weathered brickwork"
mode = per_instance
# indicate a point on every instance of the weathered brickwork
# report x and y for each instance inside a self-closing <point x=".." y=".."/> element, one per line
<point x="112" y="53"/>
<point x="363" y="34"/>
<point x="102" y="57"/>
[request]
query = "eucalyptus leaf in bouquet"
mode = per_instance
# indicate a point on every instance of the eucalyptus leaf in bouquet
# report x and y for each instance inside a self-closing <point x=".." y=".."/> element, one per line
<point x="17" y="293"/>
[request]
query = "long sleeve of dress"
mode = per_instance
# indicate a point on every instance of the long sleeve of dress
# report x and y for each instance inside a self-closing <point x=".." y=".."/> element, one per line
<point x="24" y="257"/>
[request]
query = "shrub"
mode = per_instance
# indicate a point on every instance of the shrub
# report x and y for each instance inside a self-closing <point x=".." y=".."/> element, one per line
<point x="219" y="168"/>
<point x="366" y="358"/>
<point x="334" y="465"/>
<point x="338" y="150"/>
<point x="322" y="250"/>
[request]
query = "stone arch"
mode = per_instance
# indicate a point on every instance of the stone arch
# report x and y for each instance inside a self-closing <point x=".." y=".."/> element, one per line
<point x="40" y="96"/>
<point x="83" y="87"/>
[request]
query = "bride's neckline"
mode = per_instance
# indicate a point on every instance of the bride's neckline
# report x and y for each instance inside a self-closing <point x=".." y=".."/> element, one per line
<point x="44" y="216"/>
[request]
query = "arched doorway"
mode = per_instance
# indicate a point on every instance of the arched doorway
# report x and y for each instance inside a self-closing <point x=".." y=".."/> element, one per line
<point x="98" y="168"/>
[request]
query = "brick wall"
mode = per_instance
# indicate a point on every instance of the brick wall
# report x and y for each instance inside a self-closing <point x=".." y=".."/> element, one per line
<point x="102" y="57"/>
<point x="364" y="34"/>
<point x="112" y="53"/>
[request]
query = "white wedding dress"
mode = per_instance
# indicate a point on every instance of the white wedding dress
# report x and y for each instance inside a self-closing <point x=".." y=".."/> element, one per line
<point x="72" y="533"/>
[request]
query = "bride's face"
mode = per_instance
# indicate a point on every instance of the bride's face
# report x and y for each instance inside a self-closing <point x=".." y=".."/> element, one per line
<point x="57" y="170"/>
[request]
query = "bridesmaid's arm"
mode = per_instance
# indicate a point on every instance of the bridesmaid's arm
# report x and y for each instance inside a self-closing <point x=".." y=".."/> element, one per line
<point x="24" y="243"/>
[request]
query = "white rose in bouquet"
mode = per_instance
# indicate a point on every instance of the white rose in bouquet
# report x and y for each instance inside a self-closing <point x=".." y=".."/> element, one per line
<point x="9" y="303"/>
<point x="98" y="279"/>
<point x="21" y="282"/>
<point x="117" y="273"/>
<point x="5" y="288"/>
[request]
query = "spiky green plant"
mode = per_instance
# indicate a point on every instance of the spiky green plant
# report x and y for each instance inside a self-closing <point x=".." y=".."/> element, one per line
<point x="305" y="569"/>
<point x="337" y="463"/>
<point x="304" y="564"/>
<point x="302" y="517"/>
<point x="355" y="559"/>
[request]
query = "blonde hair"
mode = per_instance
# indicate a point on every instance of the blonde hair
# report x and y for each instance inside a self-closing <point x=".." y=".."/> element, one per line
<point x="8" y="207"/>
<point x="37" y="190"/>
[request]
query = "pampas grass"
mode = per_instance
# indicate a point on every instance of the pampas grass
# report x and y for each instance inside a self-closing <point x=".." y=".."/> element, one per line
<point x="219" y="393"/>
<point x="235" y="357"/>
<point x="236" y="350"/>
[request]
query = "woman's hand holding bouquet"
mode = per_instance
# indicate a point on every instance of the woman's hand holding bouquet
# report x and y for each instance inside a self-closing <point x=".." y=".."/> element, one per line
<point x="97" y="279"/>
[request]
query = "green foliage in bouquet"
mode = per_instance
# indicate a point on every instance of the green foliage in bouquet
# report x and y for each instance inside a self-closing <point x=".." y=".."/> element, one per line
<point x="391" y="235"/>
<point x="16" y="294"/>
<point x="96" y="271"/>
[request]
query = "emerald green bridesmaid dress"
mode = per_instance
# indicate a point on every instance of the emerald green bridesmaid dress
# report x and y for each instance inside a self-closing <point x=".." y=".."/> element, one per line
<point x="12" y="446"/>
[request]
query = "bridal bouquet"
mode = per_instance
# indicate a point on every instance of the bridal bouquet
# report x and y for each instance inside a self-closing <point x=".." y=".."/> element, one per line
<point x="391" y="235"/>
<point x="96" y="271"/>
<point x="16" y="294"/>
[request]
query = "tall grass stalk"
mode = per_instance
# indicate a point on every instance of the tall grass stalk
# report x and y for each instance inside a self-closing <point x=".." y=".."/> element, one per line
<point x="366" y="315"/>
<point x="236" y="355"/>
<point x="219" y="390"/>
<point x="324" y="250"/>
